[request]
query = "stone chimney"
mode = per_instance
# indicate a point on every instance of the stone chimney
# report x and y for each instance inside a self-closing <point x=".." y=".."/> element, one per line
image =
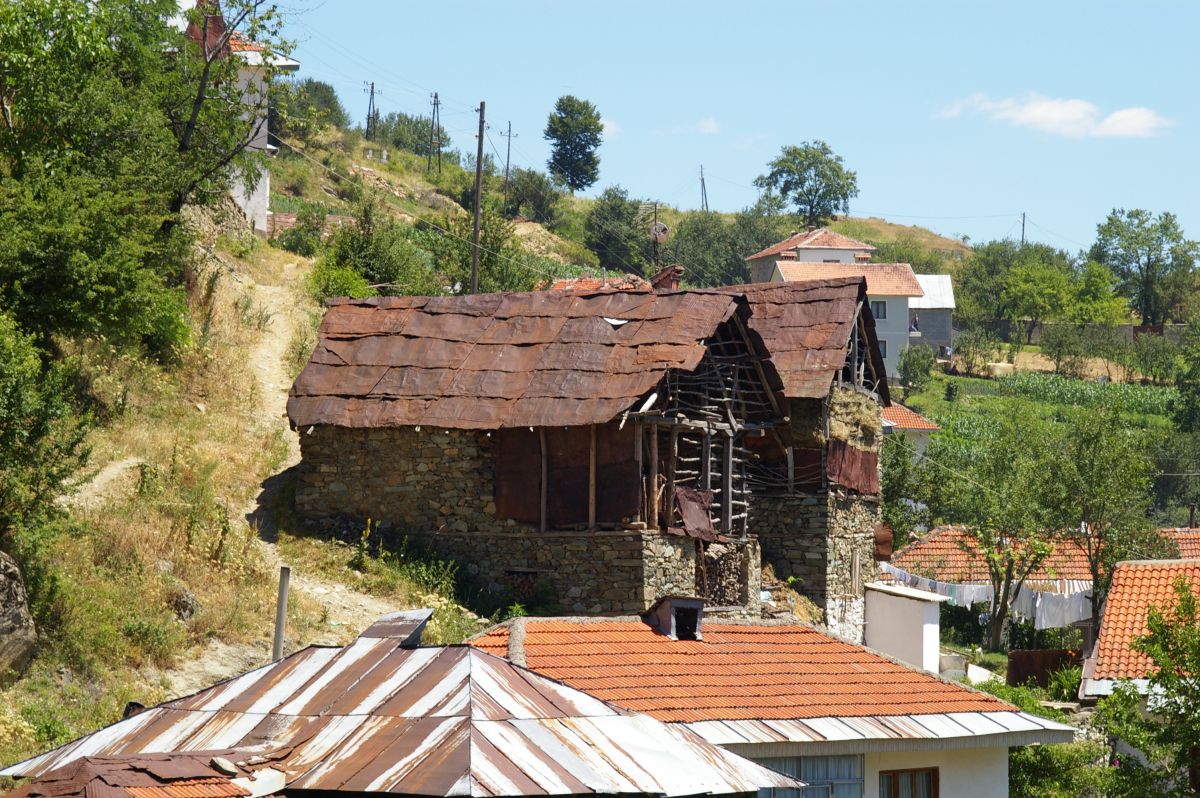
<point x="677" y="617"/>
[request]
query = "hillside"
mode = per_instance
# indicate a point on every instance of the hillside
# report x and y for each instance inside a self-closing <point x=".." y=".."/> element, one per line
<point x="876" y="230"/>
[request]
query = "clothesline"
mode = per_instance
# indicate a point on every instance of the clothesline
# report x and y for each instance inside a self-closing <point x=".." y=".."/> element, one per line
<point x="1046" y="609"/>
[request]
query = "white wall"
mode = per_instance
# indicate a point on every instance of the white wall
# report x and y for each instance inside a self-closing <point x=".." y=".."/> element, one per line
<point x="254" y="200"/>
<point x="965" y="773"/>
<point x="902" y="627"/>
<point x="822" y="255"/>
<point x="893" y="329"/>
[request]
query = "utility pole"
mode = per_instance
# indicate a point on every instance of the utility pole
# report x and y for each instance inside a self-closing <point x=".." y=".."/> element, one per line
<point x="703" y="191"/>
<point x="372" y="112"/>
<point x="507" y="157"/>
<point x="435" y="136"/>
<point x="1022" y="228"/>
<point x="478" y="191"/>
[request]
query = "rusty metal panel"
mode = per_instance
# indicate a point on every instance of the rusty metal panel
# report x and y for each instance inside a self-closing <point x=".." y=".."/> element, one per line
<point x="524" y="330"/>
<point x="853" y="468"/>
<point x="447" y="326"/>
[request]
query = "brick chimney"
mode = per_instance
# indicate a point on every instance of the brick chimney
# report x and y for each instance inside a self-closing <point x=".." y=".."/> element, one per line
<point x="667" y="278"/>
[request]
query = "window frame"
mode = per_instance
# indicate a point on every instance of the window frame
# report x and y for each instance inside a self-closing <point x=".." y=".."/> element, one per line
<point x="933" y="781"/>
<point x="798" y="767"/>
<point x="882" y="303"/>
<point x="883" y="347"/>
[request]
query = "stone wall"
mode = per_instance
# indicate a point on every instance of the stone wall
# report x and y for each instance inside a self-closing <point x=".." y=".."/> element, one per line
<point x="434" y="488"/>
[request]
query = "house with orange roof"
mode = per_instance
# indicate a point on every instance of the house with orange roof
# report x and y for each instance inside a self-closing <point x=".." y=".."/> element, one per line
<point x="916" y="429"/>
<point x="823" y="253"/>
<point x="846" y="720"/>
<point x="1137" y="586"/>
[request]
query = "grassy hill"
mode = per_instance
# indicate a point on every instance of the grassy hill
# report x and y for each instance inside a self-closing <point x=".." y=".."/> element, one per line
<point x="876" y="230"/>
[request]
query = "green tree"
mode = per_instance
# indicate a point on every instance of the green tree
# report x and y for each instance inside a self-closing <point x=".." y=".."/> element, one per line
<point x="41" y="439"/>
<point x="1155" y="357"/>
<point x="1101" y="492"/>
<point x="813" y="179"/>
<point x="304" y="237"/>
<point x="1035" y="291"/>
<point x="899" y="490"/>
<point x="916" y="366"/>
<point x="302" y="108"/>
<point x="975" y="349"/>
<point x="983" y="279"/>
<point x="532" y="194"/>
<point x="412" y="133"/>
<point x="1067" y="346"/>
<point x="1186" y="408"/>
<point x="611" y="232"/>
<point x="1151" y="258"/>
<point x="377" y="247"/>
<point x="502" y="264"/>
<point x="574" y="131"/>
<point x="1094" y="297"/>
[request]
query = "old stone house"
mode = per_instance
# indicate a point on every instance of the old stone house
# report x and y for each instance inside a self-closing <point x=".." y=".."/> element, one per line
<point x="610" y="446"/>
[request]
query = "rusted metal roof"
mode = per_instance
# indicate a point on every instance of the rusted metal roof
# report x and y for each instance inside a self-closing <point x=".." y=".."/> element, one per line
<point x="806" y="327"/>
<point x="405" y="626"/>
<point x="488" y="361"/>
<point x="152" y="776"/>
<point x="376" y="717"/>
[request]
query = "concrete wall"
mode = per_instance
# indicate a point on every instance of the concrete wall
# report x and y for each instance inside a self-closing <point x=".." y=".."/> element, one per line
<point x="435" y="489"/>
<point x="965" y="773"/>
<point x="935" y="326"/>
<point x="254" y="197"/>
<point x="903" y="627"/>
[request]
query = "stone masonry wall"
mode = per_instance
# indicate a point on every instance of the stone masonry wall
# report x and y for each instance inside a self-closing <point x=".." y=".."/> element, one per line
<point x="435" y="488"/>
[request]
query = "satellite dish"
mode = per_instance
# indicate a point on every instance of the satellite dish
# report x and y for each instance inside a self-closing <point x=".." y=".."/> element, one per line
<point x="658" y="232"/>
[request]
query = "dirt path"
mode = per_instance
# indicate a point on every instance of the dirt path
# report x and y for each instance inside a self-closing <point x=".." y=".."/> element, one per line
<point x="346" y="611"/>
<point x="101" y="486"/>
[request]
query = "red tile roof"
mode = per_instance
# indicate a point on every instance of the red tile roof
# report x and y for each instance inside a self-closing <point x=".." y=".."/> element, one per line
<point x="883" y="279"/>
<point x="903" y="418"/>
<point x="738" y="672"/>
<point x="145" y="776"/>
<point x="620" y="282"/>
<point x="1188" y="541"/>
<point x="948" y="554"/>
<point x="822" y="238"/>
<point x="1136" y="586"/>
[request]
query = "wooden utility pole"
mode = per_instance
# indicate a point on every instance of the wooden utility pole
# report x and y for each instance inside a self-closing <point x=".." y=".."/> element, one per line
<point x="507" y="157"/>
<point x="435" y="136"/>
<point x="703" y="191"/>
<point x="478" y="191"/>
<point x="1022" y="228"/>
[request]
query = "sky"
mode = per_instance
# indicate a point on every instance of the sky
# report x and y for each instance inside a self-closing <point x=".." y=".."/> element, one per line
<point x="956" y="116"/>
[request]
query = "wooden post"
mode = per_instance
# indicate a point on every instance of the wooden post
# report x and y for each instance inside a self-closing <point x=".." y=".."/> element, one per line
<point x="706" y="462"/>
<point x="637" y="458"/>
<point x="727" y="487"/>
<point x="545" y="483"/>
<point x="592" y="477"/>
<point x="791" y="460"/>
<point x="653" y="506"/>
<point x="669" y="497"/>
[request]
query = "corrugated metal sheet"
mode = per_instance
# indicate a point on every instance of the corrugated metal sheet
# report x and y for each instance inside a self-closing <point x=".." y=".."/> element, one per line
<point x="939" y="292"/>
<point x="376" y="717"/>
<point x="162" y="776"/>
<point x="956" y="725"/>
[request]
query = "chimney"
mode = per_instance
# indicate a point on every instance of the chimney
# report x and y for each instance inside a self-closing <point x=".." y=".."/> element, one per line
<point x="677" y="617"/>
<point x="904" y="623"/>
<point x="811" y="228"/>
<point x="667" y="278"/>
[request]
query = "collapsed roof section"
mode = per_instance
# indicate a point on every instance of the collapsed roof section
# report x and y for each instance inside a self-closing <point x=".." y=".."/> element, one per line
<point x="561" y="358"/>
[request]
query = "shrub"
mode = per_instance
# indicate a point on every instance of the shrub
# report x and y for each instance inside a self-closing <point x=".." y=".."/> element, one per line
<point x="975" y="349"/>
<point x="1155" y="357"/>
<point x="304" y="238"/>
<point x="1067" y="346"/>
<point x="377" y="249"/>
<point x="1063" y="684"/>
<point x="916" y="366"/>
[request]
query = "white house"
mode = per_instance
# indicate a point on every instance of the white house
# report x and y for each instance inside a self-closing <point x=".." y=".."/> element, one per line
<point x="916" y="429"/>
<point x="255" y="66"/>
<point x="815" y="245"/>
<point x="846" y="720"/>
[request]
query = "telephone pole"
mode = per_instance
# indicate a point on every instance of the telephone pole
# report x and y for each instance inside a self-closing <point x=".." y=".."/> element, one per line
<point x="1022" y="228"/>
<point x="507" y="157"/>
<point x="478" y="191"/>
<point x="703" y="191"/>
<point x="372" y="111"/>
<point x="435" y="136"/>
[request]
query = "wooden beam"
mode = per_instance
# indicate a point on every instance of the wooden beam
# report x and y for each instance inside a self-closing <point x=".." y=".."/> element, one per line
<point x="545" y="484"/>
<point x="791" y="460"/>
<point x="669" y="498"/>
<point x="652" y="520"/>
<point x="592" y="477"/>
<point x="727" y="488"/>
<point x="706" y="463"/>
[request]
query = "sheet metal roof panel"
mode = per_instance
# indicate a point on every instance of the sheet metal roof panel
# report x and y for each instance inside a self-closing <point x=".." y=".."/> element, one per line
<point x="939" y="293"/>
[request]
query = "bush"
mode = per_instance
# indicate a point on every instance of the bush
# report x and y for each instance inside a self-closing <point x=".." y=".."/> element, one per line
<point x="1067" y="346"/>
<point x="916" y="366"/>
<point x="1155" y="357"/>
<point x="975" y="349"/>
<point x="304" y="238"/>
<point x="327" y="280"/>
<point x="377" y="249"/>
<point x="532" y="194"/>
<point x="1063" y="684"/>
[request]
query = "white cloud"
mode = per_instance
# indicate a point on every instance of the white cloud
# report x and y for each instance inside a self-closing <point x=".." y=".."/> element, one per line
<point x="611" y="128"/>
<point x="1070" y="118"/>
<point x="708" y="126"/>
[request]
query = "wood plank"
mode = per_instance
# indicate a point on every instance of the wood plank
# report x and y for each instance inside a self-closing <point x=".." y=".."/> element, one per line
<point x="669" y="498"/>
<point x="592" y="476"/>
<point x="652" y="505"/>
<point x="727" y="487"/>
<point x="544" y="485"/>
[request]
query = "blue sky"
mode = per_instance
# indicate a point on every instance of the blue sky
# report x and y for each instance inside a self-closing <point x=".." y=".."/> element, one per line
<point x="956" y="116"/>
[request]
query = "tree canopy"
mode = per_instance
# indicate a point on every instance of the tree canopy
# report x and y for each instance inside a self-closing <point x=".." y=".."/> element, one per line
<point x="574" y="131"/>
<point x="611" y="232"/>
<point x="812" y="178"/>
<point x="1153" y="261"/>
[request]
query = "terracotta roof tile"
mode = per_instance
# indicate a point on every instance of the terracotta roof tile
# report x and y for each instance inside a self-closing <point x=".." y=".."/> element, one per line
<point x="626" y="282"/>
<point x="822" y="238"/>
<point x="1136" y="586"/>
<point x="948" y="554"/>
<point x="738" y="672"/>
<point x="902" y="418"/>
<point x="1188" y="541"/>
<point x="883" y="279"/>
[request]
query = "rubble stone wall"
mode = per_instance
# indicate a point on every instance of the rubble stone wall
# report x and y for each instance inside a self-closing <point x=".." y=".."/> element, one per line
<point x="434" y="488"/>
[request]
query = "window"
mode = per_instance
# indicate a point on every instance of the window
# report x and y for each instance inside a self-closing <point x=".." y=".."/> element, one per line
<point x="826" y="776"/>
<point x="879" y="309"/>
<point x="882" y="348"/>
<point x="908" y="783"/>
